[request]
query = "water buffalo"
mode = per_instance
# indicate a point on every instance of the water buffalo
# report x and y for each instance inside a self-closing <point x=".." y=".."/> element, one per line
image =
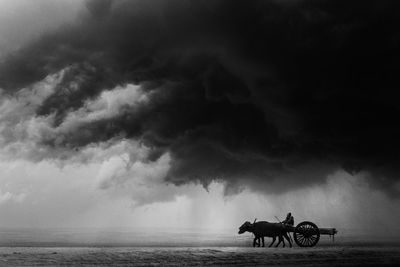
<point x="262" y="229"/>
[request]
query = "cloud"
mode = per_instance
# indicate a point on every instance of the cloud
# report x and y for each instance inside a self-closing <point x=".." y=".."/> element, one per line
<point x="99" y="8"/>
<point x="25" y="21"/>
<point x="7" y="196"/>
<point x="142" y="181"/>
<point x="270" y="93"/>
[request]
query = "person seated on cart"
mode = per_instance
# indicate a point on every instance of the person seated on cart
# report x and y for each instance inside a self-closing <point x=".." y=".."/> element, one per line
<point x="289" y="220"/>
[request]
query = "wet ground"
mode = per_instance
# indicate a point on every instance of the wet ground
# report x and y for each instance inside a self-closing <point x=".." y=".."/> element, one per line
<point x="200" y="256"/>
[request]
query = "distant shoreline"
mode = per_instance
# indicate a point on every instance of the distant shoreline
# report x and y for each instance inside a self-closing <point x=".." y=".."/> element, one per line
<point x="243" y="244"/>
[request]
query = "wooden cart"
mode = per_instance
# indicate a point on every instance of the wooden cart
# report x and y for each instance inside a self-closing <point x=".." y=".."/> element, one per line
<point x="307" y="234"/>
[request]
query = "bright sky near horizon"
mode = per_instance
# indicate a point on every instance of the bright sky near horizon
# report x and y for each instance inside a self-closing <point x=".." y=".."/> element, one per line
<point x="46" y="195"/>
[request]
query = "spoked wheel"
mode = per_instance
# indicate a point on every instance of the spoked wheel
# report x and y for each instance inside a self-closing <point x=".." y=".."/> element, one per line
<point x="306" y="234"/>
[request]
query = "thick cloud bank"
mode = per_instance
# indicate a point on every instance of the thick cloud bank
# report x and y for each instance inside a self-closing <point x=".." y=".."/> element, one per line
<point x="267" y="94"/>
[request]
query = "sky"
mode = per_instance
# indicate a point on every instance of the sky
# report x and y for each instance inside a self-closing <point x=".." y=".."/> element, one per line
<point x="200" y="114"/>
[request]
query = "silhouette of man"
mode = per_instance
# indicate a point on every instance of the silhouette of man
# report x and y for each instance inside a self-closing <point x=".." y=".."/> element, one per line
<point x="289" y="219"/>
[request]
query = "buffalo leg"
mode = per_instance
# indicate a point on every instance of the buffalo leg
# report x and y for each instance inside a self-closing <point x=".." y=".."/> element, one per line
<point x="280" y="240"/>
<point x="288" y="239"/>
<point x="262" y="238"/>
<point x="257" y="242"/>
<point x="273" y="241"/>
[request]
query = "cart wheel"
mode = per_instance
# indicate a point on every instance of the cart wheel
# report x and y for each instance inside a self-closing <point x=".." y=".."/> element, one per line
<point x="306" y="234"/>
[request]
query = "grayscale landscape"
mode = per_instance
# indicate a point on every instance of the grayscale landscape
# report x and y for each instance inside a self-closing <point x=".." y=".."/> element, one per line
<point x="199" y="133"/>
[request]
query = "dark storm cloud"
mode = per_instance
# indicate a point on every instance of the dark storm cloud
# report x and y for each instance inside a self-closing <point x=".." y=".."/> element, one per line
<point x="266" y="91"/>
<point x="99" y="9"/>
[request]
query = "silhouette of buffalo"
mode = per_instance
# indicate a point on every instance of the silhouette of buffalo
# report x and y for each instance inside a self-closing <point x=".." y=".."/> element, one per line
<point x="262" y="229"/>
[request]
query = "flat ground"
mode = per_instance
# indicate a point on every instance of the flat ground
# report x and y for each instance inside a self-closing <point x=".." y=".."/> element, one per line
<point x="200" y="256"/>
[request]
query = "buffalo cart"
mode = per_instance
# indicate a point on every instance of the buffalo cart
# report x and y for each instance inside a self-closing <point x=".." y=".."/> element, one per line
<point x="306" y="234"/>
